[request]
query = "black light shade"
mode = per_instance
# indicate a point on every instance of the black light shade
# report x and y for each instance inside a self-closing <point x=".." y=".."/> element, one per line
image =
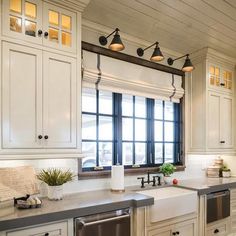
<point x="157" y="54"/>
<point x="188" y="66"/>
<point x="116" y="43"/>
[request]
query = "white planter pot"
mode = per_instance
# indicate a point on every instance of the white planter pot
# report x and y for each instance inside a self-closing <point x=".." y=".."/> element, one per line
<point x="226" y="174"/>
<point x="55" y="192"/>
<point x="168" y="179"/>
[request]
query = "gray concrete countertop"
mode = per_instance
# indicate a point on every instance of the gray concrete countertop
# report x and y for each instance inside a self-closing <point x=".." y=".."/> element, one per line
<point x="208" y="185"/>
<point x="71" y="206"/>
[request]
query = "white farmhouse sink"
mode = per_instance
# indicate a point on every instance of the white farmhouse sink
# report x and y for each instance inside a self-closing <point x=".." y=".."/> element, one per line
<point x="171" y="202"/>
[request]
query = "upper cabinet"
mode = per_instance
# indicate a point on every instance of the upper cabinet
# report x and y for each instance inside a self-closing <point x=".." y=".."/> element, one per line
<point x="220" y="78"/>
<point x="210" y="108"/>
<point x="40" y="23"/>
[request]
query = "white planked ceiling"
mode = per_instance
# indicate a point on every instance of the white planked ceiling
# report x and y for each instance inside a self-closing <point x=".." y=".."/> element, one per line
<point x="180" y="25"/>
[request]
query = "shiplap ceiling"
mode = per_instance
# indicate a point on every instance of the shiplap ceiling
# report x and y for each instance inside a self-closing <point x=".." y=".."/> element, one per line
<point x="180" y="25"/>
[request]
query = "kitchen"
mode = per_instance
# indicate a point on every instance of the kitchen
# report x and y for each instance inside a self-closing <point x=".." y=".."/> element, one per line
<point x="100" y="86"/>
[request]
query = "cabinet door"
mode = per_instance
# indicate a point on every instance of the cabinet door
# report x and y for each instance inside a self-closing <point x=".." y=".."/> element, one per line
<point x="23" y="19"/>
<point x="59" y="101"/>
<point x="166" y="231"/>
<point x="226" y="122"/>
<point x="214" y="120"/>
<point x="21" y="96"/>
<point x="187" y="228"/>
<point x="59" y="28"/>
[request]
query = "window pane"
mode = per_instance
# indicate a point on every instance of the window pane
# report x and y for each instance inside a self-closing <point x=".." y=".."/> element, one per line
<point x="169" y="111"/>
<point x="89" y="149"/>
<point x="53" y="35"/>
<point x="127" y="105"/>
<point x="30" y="10"/>
<point x="127" y="153"/>
<point x="15" y="6"/>
<point x="105" y="128"/>
<point x="169" y="131"/>
<point x="89" y="100"/>
<point x="140" y="107"/>
<point x="15" y="24"/>
<point x="158" y="109"/>
<point x="89" y="127"/>
<point x="140" y="130"/>
<point x="158" y="153"/>
<point x="66" y="38"/>
<point x="105" y="154"/>
<point x="30" y="28"/>
<point x="140" y="153"/>
<point x="158" y="131"/>
<point x="169" y="152"/>
<point x="105" y="102"/>
<point x="66" y="22"/>
<point x="127" y="129"/>
<point x="53" y="18"/>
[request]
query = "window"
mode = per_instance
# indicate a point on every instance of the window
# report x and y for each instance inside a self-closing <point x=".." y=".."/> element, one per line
<point x="130" y="130"/>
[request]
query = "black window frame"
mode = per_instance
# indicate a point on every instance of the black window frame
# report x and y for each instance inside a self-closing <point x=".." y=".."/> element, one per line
<point x="150" y="142"/>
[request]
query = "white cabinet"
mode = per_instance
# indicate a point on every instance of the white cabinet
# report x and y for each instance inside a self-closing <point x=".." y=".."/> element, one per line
<point x="220" y="121"/>
<point x="40" y="23"/>
<point x="61" y="228"/>
<point x="210" y="98"/>
<point x="219" y="228"/>
<point x="186" y="228"/>
<point x="21" y="96"/>
<point x="39" y="99"/>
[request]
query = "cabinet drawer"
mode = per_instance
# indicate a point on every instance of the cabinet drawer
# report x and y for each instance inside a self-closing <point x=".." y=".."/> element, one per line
<point x="57" y="229"/>
<point x="219" y="229"/>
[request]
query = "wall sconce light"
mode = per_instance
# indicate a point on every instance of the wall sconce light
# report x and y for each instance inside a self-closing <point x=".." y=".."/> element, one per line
<point x="187" y="67"/>
<point x="116" y="43"/>
<point x="156" y="55"/>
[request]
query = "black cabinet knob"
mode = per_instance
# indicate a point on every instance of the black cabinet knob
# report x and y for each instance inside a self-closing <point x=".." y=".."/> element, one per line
<point x="46" y="137"/>
<point x="40" y="32"/>
<point x="216" y="231"/>
<point x="177" y="232"/>
<point x="40" y="137"/>
<point x="174" y="233"/>
<point x="47" y="234"/>
<point x="46" y="34"/>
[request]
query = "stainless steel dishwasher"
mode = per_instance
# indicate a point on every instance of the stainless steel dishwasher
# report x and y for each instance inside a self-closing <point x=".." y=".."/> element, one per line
<point x="115" y="223"/>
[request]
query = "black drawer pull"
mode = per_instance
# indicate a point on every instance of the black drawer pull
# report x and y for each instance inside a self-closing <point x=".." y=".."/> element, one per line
<point x="222" y="141"/>
<point x="222" y="84"/>
<point x="216" y="231"/>
<point x="46" y="137"/>
<point x="40" y="137"/>
<point x="40" y="32"/>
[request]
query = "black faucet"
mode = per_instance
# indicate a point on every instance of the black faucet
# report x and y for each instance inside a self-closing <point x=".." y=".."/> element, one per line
<point x="148" y="181"/>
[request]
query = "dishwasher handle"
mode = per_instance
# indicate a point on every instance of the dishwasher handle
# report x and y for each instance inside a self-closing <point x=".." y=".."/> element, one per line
<point x="218" y="194"/>
<point x="84" y="224"/>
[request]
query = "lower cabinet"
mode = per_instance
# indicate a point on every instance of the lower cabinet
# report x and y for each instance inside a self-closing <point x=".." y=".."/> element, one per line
<point x="219" y="228"/>
<point x="63" y="228"/>
<point x="186" y="228"/>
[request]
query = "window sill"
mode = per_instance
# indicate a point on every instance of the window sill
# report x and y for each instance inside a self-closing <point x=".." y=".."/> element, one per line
<point x="128" y="172"/>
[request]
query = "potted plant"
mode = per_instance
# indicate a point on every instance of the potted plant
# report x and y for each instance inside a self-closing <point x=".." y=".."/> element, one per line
<point x="226" y="173"/>
<point x="167" y="169"/>
<point x="55" y="178"/>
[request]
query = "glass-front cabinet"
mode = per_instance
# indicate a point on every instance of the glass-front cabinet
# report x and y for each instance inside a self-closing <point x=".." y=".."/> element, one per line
<point x="220" y="78"/>
<point x="40" y="23"/>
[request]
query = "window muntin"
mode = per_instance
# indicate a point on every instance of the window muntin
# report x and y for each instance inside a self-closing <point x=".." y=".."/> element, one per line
<point x="130" y="130"/>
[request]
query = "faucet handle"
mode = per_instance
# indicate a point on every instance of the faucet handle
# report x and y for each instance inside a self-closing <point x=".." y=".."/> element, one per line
<point x="158" y="177"/>
<point x="142" y="181"/>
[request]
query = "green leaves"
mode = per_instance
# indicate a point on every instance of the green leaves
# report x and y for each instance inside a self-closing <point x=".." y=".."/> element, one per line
<point x="167" y="169"/>
<point x="55" y="177"/>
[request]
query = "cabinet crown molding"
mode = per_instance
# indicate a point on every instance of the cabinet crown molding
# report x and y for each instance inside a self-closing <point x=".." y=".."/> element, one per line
<point x="78" y="5"/>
